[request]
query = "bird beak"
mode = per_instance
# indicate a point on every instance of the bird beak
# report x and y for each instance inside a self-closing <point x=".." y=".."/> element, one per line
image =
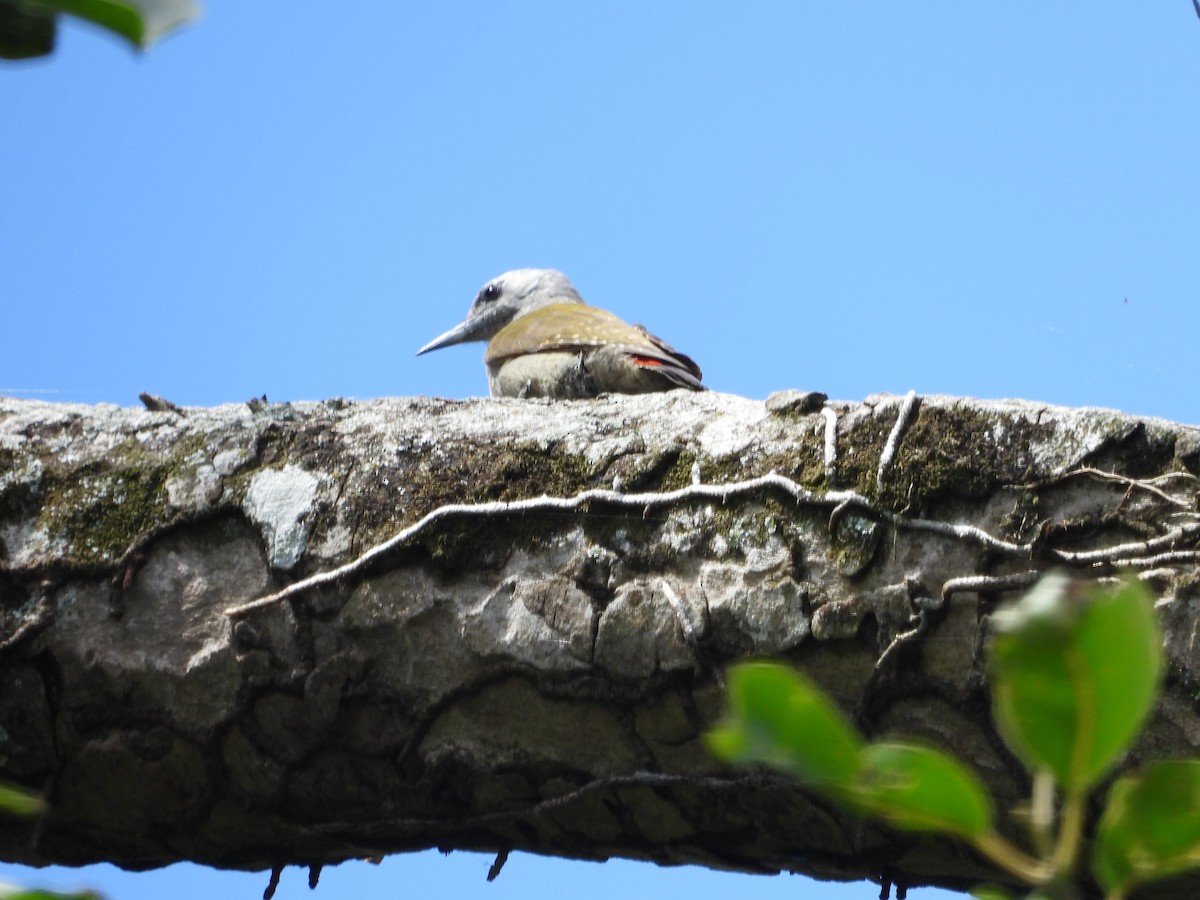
<point x="464" y="331"/>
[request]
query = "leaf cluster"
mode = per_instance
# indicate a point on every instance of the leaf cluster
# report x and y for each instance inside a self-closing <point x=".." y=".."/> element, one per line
<point x="28" y="28"/>
<point x="20" y="802"/>
<point x="1075" y="670"/>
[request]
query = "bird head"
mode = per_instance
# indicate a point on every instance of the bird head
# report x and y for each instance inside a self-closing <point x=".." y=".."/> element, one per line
<point x="504" y="298"/>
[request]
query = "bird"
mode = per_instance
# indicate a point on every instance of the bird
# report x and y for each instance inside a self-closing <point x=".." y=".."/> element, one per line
<point x="544" y="341"/>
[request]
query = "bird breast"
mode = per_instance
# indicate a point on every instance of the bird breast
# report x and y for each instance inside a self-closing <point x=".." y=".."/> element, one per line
<point x="556" y="375"/>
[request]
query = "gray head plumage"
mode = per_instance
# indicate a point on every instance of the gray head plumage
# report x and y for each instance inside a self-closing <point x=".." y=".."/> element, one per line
<point x="505" y="298"/>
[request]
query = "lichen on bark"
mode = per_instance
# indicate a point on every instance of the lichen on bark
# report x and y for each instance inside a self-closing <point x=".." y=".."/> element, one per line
<point x="310" y="632"/>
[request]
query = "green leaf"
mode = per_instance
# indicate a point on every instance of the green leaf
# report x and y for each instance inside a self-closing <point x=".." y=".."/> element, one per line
<point x="778" y="717"/>
<point x="141" y="22"/>
<point x="18" y="894"/>
<point x="25" y="34"/>
<point x="923" y="789"/>
<point x="1151" y="826"/>
<point x="991" y="892"/>
<point x="1075" y="674"/>
<point x="20" y="801"/>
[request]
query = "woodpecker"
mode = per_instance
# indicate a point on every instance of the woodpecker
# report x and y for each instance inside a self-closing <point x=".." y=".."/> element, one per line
<point x="544" y="341"/>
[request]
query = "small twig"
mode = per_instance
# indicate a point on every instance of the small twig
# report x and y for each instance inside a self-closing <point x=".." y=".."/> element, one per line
<point x="1174" y="556"/>
<point x="904" y="637"/>
<point x="830" y="444"/>
<point x="1107" y="554"/>
<point x="681" y="614"/>
<point x="276" y="871"/>
<point x="840" y="512"/>
<point x="968" y="533"/>
<point x="903" y="419"/>
<point x="988" y="584"/>
<point x="919" y="624"/>
<point x="644" y="502"/>
<point x="498" y="864"/>
<point x="886" y="660"/>
<point x="1146" y="484"/>
<point x="314" y="875"/>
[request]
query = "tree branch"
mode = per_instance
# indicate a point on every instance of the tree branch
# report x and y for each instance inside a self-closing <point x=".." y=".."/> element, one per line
<point x="297" y="634"/>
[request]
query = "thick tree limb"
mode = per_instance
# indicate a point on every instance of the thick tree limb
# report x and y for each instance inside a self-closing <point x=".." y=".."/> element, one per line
<point x="305" y="633"/>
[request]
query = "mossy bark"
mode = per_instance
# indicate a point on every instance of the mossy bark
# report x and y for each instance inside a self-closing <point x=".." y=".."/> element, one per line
<point x="536" y="675"/>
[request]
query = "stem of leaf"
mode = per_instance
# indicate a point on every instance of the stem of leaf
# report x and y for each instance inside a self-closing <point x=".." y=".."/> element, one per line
<point x="1070" y="830"/>
<point x="1013" y="859"/>
<point x="1041" y="813"/>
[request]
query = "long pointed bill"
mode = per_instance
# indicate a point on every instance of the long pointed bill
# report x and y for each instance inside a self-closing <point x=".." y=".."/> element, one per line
<point x="464" y="331"/>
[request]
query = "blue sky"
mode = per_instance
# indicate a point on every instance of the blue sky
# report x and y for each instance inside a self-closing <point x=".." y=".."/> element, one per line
<point x="961" y="198"/>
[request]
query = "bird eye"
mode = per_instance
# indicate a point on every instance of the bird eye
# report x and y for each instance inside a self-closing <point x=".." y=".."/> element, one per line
<point x="490" y="292"/>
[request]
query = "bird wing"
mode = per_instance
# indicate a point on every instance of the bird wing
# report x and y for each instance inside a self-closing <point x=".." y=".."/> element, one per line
<point x="576" y="326"/>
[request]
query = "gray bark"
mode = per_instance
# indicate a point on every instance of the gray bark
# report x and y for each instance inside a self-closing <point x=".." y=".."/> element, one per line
<point x="439" y="658"/>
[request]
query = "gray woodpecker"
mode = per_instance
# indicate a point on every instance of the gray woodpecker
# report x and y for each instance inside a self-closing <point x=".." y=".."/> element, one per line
<point x="544" y="341"/>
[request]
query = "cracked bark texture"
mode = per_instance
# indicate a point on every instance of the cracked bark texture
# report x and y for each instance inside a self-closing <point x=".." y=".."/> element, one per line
<point x="537" y="678"/>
